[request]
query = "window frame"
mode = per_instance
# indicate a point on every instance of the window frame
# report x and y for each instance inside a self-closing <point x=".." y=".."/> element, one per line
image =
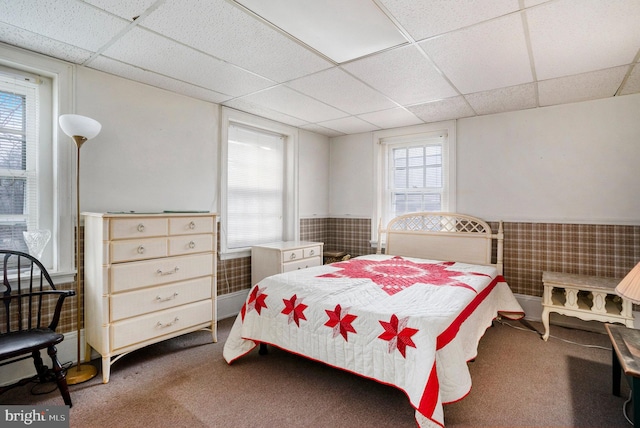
<point x="291" y="220"/>
<point x="384" y="140"/>
<point x="56" y="166"/>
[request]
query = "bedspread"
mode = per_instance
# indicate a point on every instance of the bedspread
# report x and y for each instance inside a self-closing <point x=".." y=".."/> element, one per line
<point x="407" y="322"/>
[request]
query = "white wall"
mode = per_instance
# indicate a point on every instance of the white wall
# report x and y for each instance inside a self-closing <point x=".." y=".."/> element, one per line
<point x="569" y="163"/>
<point x="159" y="151"/>
<point x="313" y="173"/>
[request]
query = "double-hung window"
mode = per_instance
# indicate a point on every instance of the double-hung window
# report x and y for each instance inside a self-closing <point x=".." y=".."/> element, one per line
<point x="415" y="170"/>
<point x="258" y="203"/>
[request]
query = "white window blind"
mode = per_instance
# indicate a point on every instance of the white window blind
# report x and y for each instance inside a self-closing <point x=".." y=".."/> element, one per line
<point x="18" y="159"/>
<point x="255" y="186"/>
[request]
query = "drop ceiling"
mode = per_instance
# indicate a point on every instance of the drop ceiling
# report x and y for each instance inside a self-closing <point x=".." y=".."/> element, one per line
<point x="339" y="67"/>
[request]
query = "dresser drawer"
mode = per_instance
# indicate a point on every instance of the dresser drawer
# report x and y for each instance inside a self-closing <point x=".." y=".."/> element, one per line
<point x="302" y="264"/>
<point x="138" y="249"/>
<point x="188" y="244"/>
<point x="130" y="276"/>
<point x="150" y="326"/>
<point x="190" y="225"/>
<point x="127" y="228"/>
<point x="133" y="303"/>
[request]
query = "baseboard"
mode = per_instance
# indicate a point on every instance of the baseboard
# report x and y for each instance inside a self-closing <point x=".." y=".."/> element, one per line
<point x="229" y="305"/>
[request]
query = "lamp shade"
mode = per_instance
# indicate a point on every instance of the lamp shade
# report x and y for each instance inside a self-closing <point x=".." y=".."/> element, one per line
<point x="81" y="126"/>
<point x="629" y="287"/>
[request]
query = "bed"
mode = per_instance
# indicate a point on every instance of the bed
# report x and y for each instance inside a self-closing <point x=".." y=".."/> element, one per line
<point x="411" y="317"/>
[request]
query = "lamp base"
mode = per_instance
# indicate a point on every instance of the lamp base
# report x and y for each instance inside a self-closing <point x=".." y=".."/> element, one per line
<point x="81" y="373"/>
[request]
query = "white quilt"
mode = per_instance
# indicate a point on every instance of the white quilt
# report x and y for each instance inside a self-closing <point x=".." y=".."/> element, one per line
<point x="407" y="322"/>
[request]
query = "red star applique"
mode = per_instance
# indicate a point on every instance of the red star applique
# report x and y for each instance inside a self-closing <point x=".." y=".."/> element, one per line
<point x="255" y="301"/>
<point x="398" y="334"/>
<point x="340" y="320"/>
<point x="294" y="308"/>
<point x="396" y="274"/>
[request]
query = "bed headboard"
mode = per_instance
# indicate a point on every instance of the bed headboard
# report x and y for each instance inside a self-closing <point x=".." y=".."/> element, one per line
<point x="443" y="236"/>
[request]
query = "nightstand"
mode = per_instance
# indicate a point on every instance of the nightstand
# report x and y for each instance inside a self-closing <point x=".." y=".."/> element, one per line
<point x="625" y="357"/>
<point x="285" y="256"/>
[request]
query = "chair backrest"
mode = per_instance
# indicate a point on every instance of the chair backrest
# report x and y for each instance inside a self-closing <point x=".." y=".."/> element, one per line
<point x="29" y="297"/>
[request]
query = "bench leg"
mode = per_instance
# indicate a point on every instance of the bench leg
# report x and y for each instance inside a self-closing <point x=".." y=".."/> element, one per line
<point x="61" y="377"/>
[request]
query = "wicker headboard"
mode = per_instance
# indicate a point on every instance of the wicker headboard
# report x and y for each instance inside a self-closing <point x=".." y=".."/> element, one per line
<point x="443" y="236"/>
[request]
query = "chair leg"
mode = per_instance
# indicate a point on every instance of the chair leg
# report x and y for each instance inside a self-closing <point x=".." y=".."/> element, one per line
<point x="41" y="369"/>
<point x="61" y="377"/>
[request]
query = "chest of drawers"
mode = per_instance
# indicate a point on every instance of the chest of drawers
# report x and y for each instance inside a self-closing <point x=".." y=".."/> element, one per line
<point x="148" y="278"/>
<point x="280" y="257"/>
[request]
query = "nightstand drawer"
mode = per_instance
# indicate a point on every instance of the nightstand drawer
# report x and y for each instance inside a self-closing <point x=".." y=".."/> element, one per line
<point x="292" y="255"/>
<point x="312" y="252"/>
<point x="134" y="303"/>
<point x="156" y="324"/>
<point x="302" y="264"/>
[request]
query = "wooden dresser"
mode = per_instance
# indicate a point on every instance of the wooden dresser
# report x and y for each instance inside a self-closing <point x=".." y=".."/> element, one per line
<point x="147" y="278"/>
<point x="280" y="257"/>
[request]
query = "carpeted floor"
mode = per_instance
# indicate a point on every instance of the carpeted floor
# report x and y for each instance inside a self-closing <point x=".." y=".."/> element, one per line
<point x="518" y="380"/>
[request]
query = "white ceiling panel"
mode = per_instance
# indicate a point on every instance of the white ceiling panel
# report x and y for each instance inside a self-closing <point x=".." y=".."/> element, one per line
<point x="632" y="85"/>
<point x="149" y="51"/>
<point x="341" y="30"/>
<point x="436" y="111"/>
<point x="518" y="97"/>
<point x="403" y="74"/>
<point x="582" y="87"/>
<point x="349" y="125"/>
<point x="574" y="36"/>
<point x="337" y="88"/>
<point x="235" y="37"/>
<point x="424" y="61"/>
<point x="292" y="103"/>
<point x="428" y="18"/>
<point x="487" y="56"/>
<point x="68" y="21"/>
<point x="41" y="44"/>
<point x="117" y="68"/>
<point x="392" y="118"/>
<point x="127" y="9"/>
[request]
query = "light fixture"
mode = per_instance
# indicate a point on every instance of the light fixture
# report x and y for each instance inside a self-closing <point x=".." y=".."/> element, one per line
<point x="629" y="287"/>
<point x="81" y="129"/>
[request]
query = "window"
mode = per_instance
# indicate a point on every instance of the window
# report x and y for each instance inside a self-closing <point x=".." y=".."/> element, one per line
<point x="258" y="203"/>
<point x="18" y="175"/>
<point x="415" y="170"/>
<point x="36" y="158"/>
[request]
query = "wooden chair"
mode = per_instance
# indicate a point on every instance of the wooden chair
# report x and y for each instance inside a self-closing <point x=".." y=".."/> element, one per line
<point x="29" y="301"/>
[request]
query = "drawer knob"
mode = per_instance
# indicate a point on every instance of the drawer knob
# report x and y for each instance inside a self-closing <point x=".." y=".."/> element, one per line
<point x="164" y="299"/>
<point x="192" y="225"/>
<point x="169" y="272"/>
<point x="312" y="252"/>
<point x="141" y="227"/>
<point x="292" y="256"/>
<point x="141" y="249"/>
<point x="163" y="325"/>
<point x="192" y="245"/>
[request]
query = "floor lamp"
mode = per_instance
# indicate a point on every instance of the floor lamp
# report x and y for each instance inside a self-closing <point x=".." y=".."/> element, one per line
<point x="81" y="129"/>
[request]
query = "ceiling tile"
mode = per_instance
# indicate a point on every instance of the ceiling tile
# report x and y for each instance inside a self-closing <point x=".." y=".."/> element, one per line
<point x="312" y="127"/>
<point x="582" y="87"/>
<point x="349" y="125"/>
<point x="341" y="30"/>
<point x="292" y="103"/>
<point x="37" y="43"/>
<point x="568" y="37"/>
<point x="68" y="21"/>
<point x="226" y="32"/>
<point x="149" y="51"/>
<point x="632" y="85"/>
<point x="342" y="90"/>
<point x="144" y="76"/>
<point x="258" y="110"/>
<point x="437" y="111"/>
<point x="487" y="56"/>
<point x="404" y="74"/>
<point x="127" y="9"/>
<point x="518" y="97"/>
<point x="424" y="19"/>
<point x="392" y="118"/>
